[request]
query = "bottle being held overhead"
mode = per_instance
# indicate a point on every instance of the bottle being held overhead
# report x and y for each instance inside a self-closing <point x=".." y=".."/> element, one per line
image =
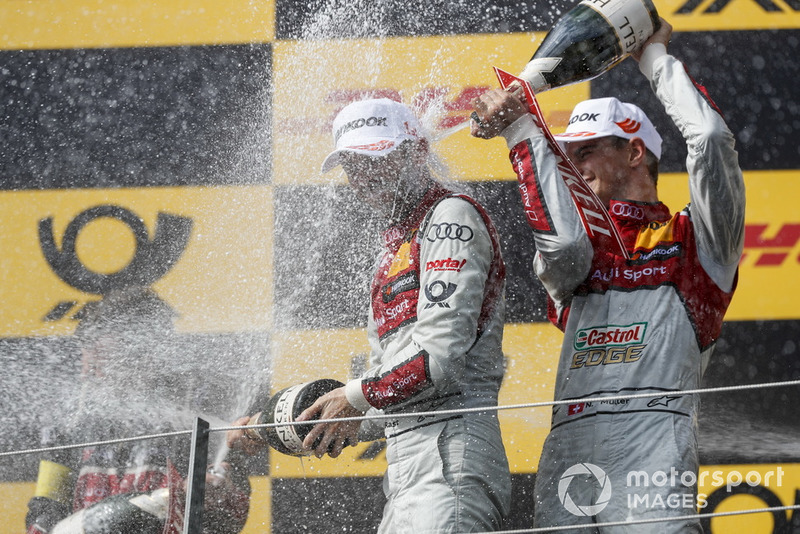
<point x="590" y="39"/>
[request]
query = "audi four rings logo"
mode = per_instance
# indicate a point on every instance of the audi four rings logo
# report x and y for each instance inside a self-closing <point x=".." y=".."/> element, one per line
<point x="449" y="231"/>
<point x="628" y="210"/>
<point x="584" y="470"/>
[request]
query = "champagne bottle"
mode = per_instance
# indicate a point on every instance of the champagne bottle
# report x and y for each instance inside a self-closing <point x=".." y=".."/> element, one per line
<point x="590" y="39"/>
<point x="284" y="407"/>
<point x="143" y="513"/>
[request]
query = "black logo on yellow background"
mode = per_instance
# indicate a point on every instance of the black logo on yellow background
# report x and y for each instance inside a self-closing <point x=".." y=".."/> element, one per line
<point x="152" y="258"/>
<point x="716" y="6"/>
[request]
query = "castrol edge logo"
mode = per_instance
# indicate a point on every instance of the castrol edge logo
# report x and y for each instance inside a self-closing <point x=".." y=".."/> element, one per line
<point x="598" y="336"/>
<point x="608" y="345"/>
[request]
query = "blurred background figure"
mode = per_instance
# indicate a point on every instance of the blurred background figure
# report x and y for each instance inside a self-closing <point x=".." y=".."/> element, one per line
<point x="134" y="381"/>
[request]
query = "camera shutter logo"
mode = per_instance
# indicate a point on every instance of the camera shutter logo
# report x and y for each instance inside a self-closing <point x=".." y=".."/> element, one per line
<point x="584" y="510"/>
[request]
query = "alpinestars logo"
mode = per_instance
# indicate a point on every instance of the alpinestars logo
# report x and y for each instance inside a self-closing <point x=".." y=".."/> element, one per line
<point x="585" y="476"/>
<point x="629" y="126"/>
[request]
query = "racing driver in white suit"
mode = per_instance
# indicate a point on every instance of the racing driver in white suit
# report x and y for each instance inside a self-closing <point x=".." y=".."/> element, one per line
<point x="641" y="325"/>
<point x="435" y="330"/>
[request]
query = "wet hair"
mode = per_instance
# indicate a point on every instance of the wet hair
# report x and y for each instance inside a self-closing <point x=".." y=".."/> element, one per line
<point x="652" y="166"/>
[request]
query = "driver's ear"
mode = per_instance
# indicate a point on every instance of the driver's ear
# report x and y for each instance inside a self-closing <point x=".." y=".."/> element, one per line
<point x="638" y="152"/>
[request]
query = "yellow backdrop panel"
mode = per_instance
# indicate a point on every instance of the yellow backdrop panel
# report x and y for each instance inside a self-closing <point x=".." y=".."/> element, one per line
<point x="221" y="283"/>
<point x="769" y="271"/>
<point x="98" y="23"/>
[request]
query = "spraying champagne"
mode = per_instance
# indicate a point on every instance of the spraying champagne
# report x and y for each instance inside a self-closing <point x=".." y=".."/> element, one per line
<point x="283" y="408"/>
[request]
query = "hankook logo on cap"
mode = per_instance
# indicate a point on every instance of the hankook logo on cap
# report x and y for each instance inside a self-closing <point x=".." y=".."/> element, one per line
<point x="359" y="123"/>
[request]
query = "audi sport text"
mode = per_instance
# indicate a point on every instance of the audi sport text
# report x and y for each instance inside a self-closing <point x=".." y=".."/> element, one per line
<point x="628" y="274"/>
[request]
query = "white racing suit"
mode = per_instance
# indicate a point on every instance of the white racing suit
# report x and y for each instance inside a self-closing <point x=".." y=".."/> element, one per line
<point x="644" y="325"/>
<point x="435" y="331"/>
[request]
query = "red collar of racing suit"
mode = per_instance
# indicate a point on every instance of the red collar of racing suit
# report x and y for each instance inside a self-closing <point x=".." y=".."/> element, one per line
<point x="394" y="235"/>
<point x="629" y="216"/>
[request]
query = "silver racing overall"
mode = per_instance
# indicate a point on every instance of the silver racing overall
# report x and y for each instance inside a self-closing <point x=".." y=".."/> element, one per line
<point x="435" y="330"/>
<point x="643" y="325"/>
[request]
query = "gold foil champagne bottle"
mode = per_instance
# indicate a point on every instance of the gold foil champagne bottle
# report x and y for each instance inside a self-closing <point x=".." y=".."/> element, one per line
<point x="590" y="39"/>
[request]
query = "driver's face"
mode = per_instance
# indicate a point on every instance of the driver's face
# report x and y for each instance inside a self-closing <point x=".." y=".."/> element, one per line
<point x="376" y="179"/>
<point x="603" y="164"/>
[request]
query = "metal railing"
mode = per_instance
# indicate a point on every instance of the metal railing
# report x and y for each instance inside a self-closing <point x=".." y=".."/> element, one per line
<point x="198" y="462"/>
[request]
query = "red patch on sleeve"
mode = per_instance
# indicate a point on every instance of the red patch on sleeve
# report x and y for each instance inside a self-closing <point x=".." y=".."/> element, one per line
<point x="399" y="384"/>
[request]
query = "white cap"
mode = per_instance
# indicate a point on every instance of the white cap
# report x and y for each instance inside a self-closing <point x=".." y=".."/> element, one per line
<point x="602" y="117"/>
<point x="371" y="127"/>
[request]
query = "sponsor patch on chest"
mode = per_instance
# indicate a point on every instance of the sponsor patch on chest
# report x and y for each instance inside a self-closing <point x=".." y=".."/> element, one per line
<point x="609" y="335"/>
<point x="605" y="345"/>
